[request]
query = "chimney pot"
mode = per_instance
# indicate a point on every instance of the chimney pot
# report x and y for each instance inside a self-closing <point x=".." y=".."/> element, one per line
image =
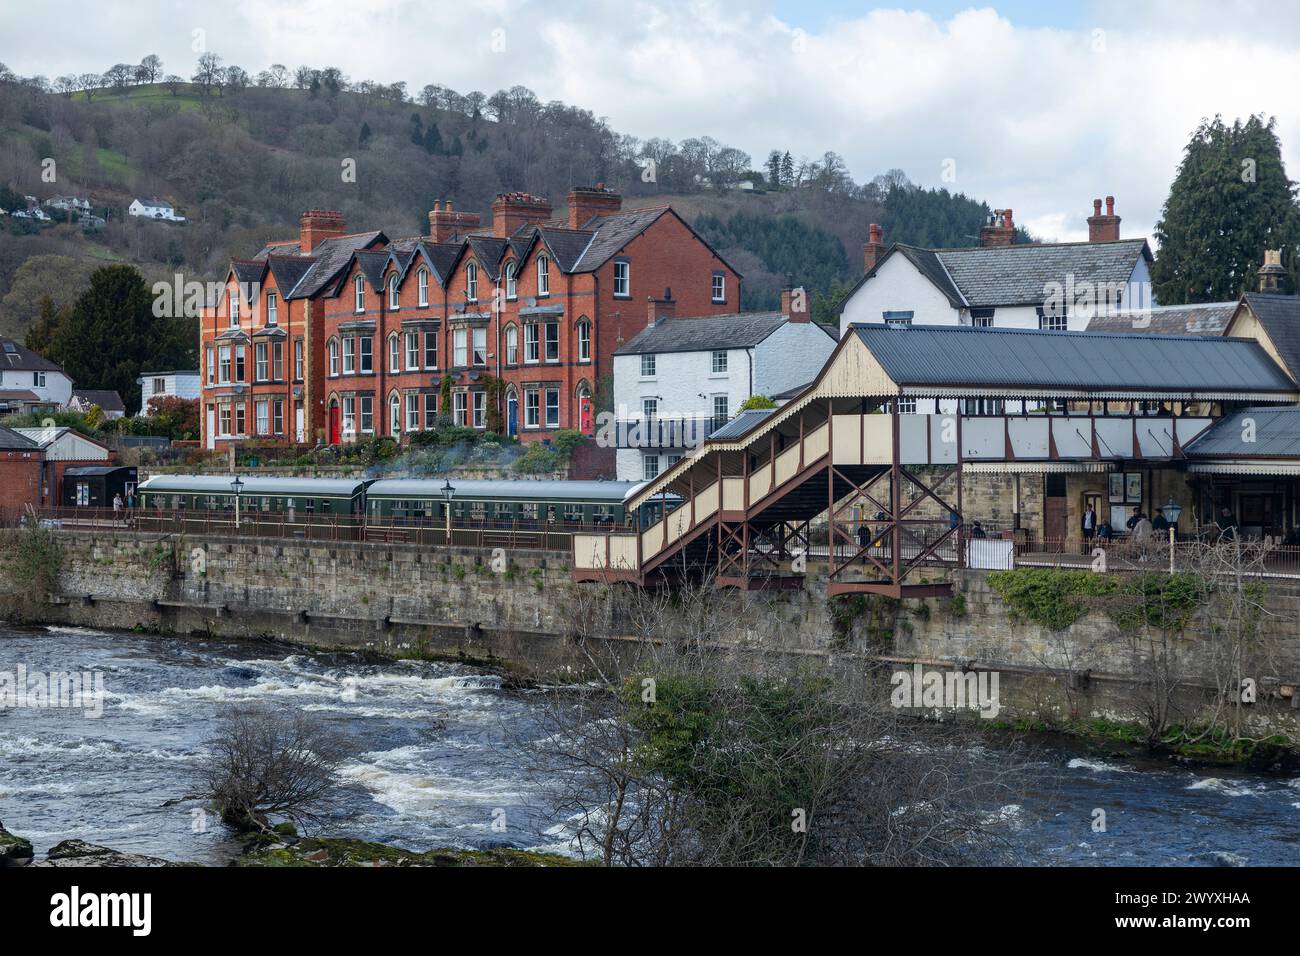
<point x="1103" y="228"/>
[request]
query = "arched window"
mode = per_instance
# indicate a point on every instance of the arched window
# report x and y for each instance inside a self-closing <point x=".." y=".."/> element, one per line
<point x="584" y="340"/>
<point x="512" y="287"/>
<point x="543" y="276"/>
<point x="393" y="301"/>
<point x="394" y="353"/>
<point x="359" y="287"/>
<point x="471" y="282"/>
<point x="423" y="276"/>
<point x="394" y="415"/>
<point x="512" y="344"/>
<point x="333" y="348"/>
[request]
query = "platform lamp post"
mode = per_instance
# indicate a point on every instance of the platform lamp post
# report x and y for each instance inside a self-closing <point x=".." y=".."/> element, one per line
<point x="1171" y="511"/>
<point x="237" y="486"/>
<point x="448" y="492"/>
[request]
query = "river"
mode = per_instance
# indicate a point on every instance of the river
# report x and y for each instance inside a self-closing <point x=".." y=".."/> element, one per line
<point x="437" y="762"/>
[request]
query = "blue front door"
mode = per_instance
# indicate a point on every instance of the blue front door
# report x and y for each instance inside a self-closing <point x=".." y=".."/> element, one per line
<point x="512" y="416"/>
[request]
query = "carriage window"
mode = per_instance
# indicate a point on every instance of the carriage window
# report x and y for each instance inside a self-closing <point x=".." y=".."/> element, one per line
<point x="528" y="511"/>
<point x="478" y="510"/>
<point x="326" y="506"/>
<point x="573" y="513"/>
<point x="309" y="505"/>
<point x="602" y="513"/>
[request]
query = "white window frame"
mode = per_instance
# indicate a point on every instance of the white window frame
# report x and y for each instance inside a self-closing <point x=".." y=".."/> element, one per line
<point x="359" y="293"/>
<point x="413" y="412"/>
<point x="412" y="351"/>
<point x="719" y="292"/>
<point x="532" y="408"/>
<point x="394" y="415"/>
<point x="272" y="309"/>
<point x="532" y="343"/>
<point x="480" y="409"/>
<point x="262" y="416"/>
<point x="718" y="362"/>
<point x="349" y="355"/>
<point x="478" y="342"/>
<point x="422" y="278"/>
<point x="584" y="341"/>
<point x="512" y="344"/>
<point x="512" y="282"/>
<point x="232" y="306"/>
<point x="460" y="347"/>
<point x="471" y="282"/>
<point x="543" y="275"/>
<point x="649" y="467"/>
<point x="459" y="407"/>
<point x="394" y="353"/>
<point x="648" y="365"/>
<point x="622" y="279"/>
<point x="551" y="421"/>
<point x="261" y="362"/>
<point x="394" y="298"/>
<point x="332" y="348"/>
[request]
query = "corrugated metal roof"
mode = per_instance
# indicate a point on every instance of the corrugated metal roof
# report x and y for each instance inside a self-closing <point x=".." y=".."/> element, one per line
<point x="1079" y="362"/>
<point x="1251" y="433"/>
<point x="467" y="490"/>
<point x="62" y="443"/>
<point x="220" y="484"/>
<point x="742" y="424"/>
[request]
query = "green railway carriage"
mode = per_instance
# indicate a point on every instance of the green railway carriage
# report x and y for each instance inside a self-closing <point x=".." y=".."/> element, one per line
<point x="504" y="503"/>
<point x="343" y="497"/>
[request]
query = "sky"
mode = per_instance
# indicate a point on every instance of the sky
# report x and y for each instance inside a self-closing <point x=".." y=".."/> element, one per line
<point x="1036" y="106"/>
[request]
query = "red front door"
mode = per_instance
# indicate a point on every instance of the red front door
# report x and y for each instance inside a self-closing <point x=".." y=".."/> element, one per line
<point x="334" y="424"/>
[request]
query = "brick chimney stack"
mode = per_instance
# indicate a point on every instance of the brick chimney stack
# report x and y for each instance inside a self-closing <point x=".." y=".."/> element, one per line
<point x="445" y="222"/>
<point x="794" y="303"/>
<point x="657" y="309"/>
<point x="874" y="248"/>
<point x="1103" y="228"/>
<point x="588" y="201"/>
<point x="1000" y="230"/>
<point x="512" y="210"/>
<point x="1271" y="272"/>
<point x="317" y="225"/>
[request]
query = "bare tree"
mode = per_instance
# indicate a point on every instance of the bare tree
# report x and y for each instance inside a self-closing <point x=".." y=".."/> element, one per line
<point x="263" y="763"/>
<point x="151" y="67"/>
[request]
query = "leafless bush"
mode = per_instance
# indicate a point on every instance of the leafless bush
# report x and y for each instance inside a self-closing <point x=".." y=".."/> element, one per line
<point x="693" y="754"/>
<point x="263" y="763"/>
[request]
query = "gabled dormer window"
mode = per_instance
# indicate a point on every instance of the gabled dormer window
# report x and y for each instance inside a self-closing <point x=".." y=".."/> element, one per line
<point x="512" y="286"/>
<point x="272" y="309"/>
<point x="471" y="282"/>
<point x="359" y="288"/>
<point x="543" y="276"/>
<point x="423" y="277"/>
<point x="393" y="301"/>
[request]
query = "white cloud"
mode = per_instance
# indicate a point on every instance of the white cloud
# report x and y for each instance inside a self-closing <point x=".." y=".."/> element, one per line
<point x="1042" y="120"/>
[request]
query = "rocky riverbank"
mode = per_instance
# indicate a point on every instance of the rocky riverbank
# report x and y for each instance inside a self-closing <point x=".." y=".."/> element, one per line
<point x="280" y="849"/>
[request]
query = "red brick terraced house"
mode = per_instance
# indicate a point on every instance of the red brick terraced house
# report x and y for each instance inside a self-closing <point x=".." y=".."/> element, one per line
<point x="339" y="336"/>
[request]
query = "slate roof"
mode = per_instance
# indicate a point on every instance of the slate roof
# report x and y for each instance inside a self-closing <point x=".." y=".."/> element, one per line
<point x="1280" y="317"/>
<point x="1073" y="362"/>
<point x="992" y="276"/>
<point x="372" y="265"/>
<point x="329" y="259"/>
<point x="612" y="233"/>
<point x="1276" y="433"/>
<point x="14" y="355"/>
<point x="106" y="398"/>
<point x="287" y="270"/>
<point x="735" y="331"/>
<point x="10" y="440"/>
<point x="1208" y="319"/>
